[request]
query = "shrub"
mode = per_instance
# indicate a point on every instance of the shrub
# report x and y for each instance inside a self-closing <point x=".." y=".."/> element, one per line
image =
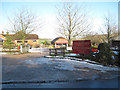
<point x="8" y="44"/>
<point x="117" y="60"/>
<point x="105" y="55"/>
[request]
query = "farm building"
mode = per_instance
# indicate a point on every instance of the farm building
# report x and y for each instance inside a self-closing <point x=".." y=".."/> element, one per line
<point x="59" y="42"/>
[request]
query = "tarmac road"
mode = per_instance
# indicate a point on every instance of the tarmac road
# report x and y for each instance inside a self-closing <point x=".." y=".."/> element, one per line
<point x="110" y="83"/>
<point x="15" y="70"/>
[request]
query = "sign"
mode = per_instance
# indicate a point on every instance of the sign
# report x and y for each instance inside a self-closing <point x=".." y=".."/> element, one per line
<point x="82" y="47"/>
<point x="94" y="50"/>
<point x="69" y="48"/>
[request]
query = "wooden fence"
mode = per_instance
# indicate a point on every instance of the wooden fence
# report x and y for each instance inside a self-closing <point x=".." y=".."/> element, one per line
<point x="44" y="51"/>
<point x="57" y="51"/>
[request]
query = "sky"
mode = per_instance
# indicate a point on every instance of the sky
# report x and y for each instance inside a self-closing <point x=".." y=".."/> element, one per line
<point x="47" y="13"/>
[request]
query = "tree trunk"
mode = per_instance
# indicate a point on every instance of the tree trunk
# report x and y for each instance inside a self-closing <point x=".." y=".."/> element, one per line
<point x="69" y="39"/>
<point x="23" y="42"/>
<point x="69" y="43"/>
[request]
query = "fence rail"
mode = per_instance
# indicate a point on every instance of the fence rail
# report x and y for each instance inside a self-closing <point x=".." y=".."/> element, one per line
<point x="7" y="50"/>
<point x="57" y="51"/>
<point x="40" y="50"/>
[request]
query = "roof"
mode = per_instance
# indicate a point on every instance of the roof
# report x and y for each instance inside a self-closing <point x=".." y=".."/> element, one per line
<point x="54" y="40"/>
<point x="29" y="36"/>
<point x="32" y="36"/>
<point x="2" y="36"/>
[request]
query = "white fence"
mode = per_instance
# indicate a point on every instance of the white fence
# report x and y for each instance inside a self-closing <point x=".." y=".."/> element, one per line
<point x="7" y="51"/>
<point x="24" y="49"/>
<point x="39" y="50"/>
<point x="27" y="49"/>
<point x="14" y="51"/>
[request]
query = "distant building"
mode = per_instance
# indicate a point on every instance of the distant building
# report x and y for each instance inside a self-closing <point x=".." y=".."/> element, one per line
<point x="59" y="42"/>
<point x="31" y="39"/>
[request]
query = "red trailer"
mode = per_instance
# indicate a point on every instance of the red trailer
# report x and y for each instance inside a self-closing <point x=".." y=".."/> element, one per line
<point x="82" y="47"/>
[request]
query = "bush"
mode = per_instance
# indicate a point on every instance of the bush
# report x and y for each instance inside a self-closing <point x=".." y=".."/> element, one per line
<point x="105" y="55"/>
<point x="117" y="61"/>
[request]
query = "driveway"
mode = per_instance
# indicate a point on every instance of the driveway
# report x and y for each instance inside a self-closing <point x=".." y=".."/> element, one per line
<point x="53" y="71"/>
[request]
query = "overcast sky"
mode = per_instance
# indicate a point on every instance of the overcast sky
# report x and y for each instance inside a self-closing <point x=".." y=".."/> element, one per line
<point x="47" y="12"/>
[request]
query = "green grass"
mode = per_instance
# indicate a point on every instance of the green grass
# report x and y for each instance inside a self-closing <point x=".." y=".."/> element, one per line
<point x="43" y="40"/>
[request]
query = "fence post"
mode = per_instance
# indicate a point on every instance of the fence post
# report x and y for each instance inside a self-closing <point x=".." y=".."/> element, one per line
<point x="63" y="52"/>
<point x="50" y="52"/>
<point x="28" y="48"/>
<point x="21" y="49"/>
<point x="55" y="51"/>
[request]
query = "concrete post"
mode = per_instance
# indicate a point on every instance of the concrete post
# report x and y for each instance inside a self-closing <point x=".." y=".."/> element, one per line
<point x="28" y="48"/>
<point x="21" y="49"/>
<point x="67" y="45"/>
<point x="55" y="44"/>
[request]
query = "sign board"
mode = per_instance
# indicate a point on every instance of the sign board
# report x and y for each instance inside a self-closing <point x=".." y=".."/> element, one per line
<point x="94" y="50"/>
<point x="82" y="47"/>
<point x="69" y="48"/>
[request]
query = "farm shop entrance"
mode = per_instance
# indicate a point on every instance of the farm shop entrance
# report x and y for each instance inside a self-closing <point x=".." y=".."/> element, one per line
<point x="60" y="42"/>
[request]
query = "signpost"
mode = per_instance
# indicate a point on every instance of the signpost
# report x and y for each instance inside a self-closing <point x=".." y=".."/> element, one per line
<point x="82" y="47"/>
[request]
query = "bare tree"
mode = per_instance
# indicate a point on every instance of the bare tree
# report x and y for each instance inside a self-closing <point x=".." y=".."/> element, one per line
<point x="73" y="21"/>
<point x="23" y="23"/>
<point x="109" y="27"/>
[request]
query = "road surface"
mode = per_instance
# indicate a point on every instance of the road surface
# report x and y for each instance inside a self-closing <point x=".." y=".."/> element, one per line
<point x="40" y="72"/>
